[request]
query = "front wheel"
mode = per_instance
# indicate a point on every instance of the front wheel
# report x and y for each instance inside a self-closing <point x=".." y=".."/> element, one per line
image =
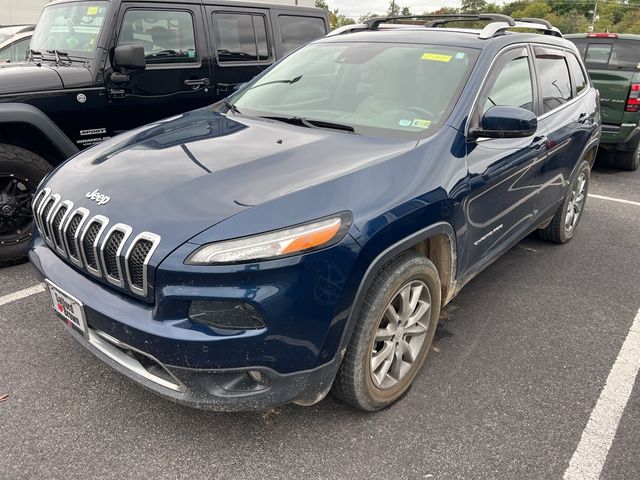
<point x="564" y="223"/>
<point x="20" y="174"/>
<point x="393" y="334"/>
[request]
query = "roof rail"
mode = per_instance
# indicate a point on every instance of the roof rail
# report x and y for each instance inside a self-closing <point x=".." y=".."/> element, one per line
<point x="497" y="28"/>
<point x="436" y="19"/>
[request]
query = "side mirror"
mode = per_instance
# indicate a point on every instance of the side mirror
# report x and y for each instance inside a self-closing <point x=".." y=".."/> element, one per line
<point x="506" y="122"/>
<point x="128" y="58"/>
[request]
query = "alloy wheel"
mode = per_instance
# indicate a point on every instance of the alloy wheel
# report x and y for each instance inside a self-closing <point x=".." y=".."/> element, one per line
<point x="15" y="208"/>
<point x="576" y="203"/>
<point x="400" y="335"/>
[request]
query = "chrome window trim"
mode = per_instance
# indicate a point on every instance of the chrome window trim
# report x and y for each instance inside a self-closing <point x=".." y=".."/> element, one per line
<point x="36" y="213"/>
<point x="46" y="222"/>
<point x="61" y="249"/>
<point x="155" y="240"/>
<point x="85" y="214"/>
<point x="103" y="221"/>
<point x="126" y="230"/>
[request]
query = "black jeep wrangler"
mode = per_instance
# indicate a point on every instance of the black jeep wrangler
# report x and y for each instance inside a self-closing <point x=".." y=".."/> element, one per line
<point x="97" y="68"/>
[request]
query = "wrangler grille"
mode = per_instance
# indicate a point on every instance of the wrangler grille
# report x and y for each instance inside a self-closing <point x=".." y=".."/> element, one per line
<point x="81" y="238"/>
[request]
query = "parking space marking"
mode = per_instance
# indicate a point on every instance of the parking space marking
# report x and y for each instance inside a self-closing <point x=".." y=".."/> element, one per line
<point x="611" y="199"/>
<point x="589" y="458"/>
<point x="27" y="292"/>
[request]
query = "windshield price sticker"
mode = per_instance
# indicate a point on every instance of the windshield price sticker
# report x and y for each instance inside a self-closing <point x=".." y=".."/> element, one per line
<point x="436" y="57"/>
<point x="93" y="10"/>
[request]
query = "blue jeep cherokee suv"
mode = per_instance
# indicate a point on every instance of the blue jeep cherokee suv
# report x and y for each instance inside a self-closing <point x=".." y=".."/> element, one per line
<point x="305" y="233"/>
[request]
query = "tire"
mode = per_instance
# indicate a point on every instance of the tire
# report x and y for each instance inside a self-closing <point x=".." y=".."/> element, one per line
<point x="628" y="160"/>
<point x="361" y="380"/>
<point x="563" y="225"/>
<point x="20" y="173"/>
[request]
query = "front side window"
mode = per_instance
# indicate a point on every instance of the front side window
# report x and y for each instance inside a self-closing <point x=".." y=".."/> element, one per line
<point x="297" y="31"/>
<point x="398" y="90"/>
<point x="72" y="28"/>
<point x="513" y="86"/>
<point x="578" y="74"/>
<point x="16" y="52"/>
<point x="555" y="82"/>
<point x="167" y="35"/>
<point x="241" y="37"/>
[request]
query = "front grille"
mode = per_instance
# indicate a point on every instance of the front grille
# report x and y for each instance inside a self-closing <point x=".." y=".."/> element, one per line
<point x="87" y="244"/>
<point x="70" y="235"/>
<point x="81" y="239"/>
<point x="111" y="254"/>
<point x="136" y="260"/>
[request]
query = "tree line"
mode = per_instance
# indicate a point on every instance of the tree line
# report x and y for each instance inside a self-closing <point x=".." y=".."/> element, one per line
<point x="570" y="16"/>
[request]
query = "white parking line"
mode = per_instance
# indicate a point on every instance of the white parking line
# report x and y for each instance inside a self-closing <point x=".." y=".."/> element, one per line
<point x="611" y="199"/>
<point x="27" y="292"/>
<point x="588" y="459"/>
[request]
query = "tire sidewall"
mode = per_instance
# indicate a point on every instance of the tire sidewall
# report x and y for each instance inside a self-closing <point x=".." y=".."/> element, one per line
<point x="417" y="268"/>
<point x="586" y="169"/>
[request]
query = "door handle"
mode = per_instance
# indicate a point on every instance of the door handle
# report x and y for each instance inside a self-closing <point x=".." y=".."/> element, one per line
<point x="200" y="82"/>
<point x="539" y="142"/>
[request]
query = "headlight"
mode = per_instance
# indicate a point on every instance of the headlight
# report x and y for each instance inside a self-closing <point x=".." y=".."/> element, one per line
<point x="290" y="241"/>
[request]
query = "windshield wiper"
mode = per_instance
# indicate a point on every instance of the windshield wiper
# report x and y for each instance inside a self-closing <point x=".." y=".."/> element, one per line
<point x="288" y="82"/>
<point x="58" y="54"/>
<point x="310" y="123"/>
<point x="232" y="107"/>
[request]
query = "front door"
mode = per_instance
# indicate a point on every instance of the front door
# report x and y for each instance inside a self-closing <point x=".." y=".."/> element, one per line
<point x="503" y="176"/>
<point x="177" y="77"/>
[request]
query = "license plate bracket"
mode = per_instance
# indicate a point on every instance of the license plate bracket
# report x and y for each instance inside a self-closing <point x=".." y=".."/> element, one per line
<point x="68" y="308"/>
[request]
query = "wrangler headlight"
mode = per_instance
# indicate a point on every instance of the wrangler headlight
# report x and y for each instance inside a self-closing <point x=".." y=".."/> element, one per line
<point x="280" y="243"/>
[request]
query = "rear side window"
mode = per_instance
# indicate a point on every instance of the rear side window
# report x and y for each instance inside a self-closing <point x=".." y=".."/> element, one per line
<point x="297" y="31"/>
<point x="553" y="73"/>
<point x="512" y="87"/>
<point x="241" y="37"/>
<point x="598" y="53"/>
<point x="577" y="72"/>
<point x="167" y="35"/>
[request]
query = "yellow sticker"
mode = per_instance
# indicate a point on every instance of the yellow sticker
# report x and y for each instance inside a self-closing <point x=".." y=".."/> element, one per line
<point x="436" y="57"/>
<point x="93" y="10"/>
<point x="420" y="123"/>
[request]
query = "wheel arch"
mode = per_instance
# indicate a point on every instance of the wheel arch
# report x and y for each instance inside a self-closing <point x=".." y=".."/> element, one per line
<point x="436" y="242"/>
<point x="28" y="127"/>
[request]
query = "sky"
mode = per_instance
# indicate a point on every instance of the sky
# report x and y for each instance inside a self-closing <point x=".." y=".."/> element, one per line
<point x="356" y="8"/>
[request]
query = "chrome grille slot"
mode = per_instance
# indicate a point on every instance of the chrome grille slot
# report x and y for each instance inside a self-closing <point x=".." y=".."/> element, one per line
<point x="111" y="251"/>
<point x="137" y="260"/>
<point x="37" y="205"/>
<point x="49" y="204"/>
<point x="71" y="232"/>
<point x="89" y="243"/>
<point x="58" y="219"/>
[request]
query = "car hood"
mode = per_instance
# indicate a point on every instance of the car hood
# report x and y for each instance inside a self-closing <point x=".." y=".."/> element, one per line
<point x="178" y="177"/>
<point x="27" y="77"/>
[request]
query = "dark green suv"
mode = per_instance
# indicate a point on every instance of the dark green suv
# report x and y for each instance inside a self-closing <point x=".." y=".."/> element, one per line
<point x="613" y="62"/>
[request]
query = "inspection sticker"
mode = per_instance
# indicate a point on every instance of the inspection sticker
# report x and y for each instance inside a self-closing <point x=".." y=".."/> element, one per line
<point x="93" y="10"/>
<point x="437" y="57"/>
<point x="420" y="123"/>
<point x="405" y="123"/>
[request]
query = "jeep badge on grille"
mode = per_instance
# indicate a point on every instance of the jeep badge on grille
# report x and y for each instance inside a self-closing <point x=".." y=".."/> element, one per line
<point x="98" y="197"/>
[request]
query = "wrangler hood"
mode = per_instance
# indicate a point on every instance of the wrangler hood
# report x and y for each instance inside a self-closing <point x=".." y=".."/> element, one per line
<point x="31" y="77"/>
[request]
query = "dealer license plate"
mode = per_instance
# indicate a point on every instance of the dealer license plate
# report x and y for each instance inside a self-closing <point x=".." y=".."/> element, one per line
<point x="68" y="308"/>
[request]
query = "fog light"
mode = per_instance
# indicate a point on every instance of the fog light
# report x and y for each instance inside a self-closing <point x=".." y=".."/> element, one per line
<point x="228" y="315"/>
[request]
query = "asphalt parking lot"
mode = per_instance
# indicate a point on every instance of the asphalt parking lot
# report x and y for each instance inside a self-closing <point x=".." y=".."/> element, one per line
<point x="521" y="365"/>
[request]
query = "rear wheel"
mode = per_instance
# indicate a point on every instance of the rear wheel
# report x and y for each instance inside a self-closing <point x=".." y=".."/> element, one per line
<point x="393" y="334"/>
<point x="20" y="174"/>
<point x="628" y="160"/>
<point x="564" y="222"/>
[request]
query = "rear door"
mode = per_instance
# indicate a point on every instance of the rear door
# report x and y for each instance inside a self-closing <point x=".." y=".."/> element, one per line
<point x="177" y="77"/>
<point x="242" y="45"/>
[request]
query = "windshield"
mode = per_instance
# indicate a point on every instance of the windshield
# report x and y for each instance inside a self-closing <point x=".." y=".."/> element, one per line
<point x="71" y="28"/>
<point x="401" y="90"/>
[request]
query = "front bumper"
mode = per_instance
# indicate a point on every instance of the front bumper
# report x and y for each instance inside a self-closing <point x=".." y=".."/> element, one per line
<point x="177" y="359"/>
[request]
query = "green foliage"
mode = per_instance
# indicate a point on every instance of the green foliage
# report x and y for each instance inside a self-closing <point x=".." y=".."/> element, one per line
<point x="570" y="16"/>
